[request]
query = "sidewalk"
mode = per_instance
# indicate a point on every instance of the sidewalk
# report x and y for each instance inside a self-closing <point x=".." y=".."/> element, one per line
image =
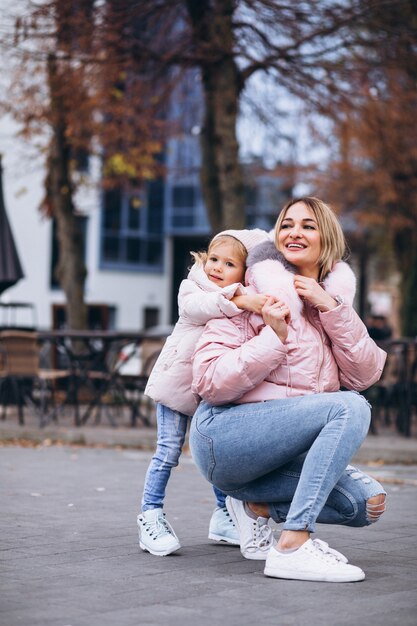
<point x="70" y="555"/>
<point x="386" y="447"/>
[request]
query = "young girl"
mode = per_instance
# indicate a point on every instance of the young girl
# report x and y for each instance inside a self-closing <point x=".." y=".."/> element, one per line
<point x="212" y="289"/>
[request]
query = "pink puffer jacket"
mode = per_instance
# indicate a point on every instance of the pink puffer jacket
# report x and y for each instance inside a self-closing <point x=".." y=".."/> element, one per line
<point x="199" y="300"/>
<point x="242" y="360"/>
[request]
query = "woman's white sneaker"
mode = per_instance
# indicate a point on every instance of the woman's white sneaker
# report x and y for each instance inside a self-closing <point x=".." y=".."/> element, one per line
<point x="311" y="562"/>
<point x="255" y="535"/>
<point x="156" y="534"/>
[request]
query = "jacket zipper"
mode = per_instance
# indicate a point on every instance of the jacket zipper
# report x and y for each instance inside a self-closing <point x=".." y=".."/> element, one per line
<point x="321" y="342"/>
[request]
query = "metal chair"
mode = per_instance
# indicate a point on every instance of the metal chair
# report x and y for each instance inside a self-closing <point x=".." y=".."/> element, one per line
<point x="123" y="385"/>
<point x="134" y="383"/>
<point x="22" y="381"/>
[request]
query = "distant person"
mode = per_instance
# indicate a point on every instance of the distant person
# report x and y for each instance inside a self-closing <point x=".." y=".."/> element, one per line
<point x="274" y="431"/>
<point x="212" y="289"/>
<point x="378" y="327"/>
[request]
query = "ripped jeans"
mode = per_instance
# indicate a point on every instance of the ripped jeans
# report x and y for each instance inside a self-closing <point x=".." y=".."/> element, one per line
<point x="291" y="454"/>
<point x="172" y="426"/>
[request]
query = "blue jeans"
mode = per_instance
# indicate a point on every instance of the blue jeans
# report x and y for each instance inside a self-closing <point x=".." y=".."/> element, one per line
<point x="291" y="454"/>
<point x="172" y="426"/>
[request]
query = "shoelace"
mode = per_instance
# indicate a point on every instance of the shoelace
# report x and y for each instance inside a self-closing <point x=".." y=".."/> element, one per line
<point x="326" y="554"/>
<point x="226" y="512"/>
<point x="158" y="527"/>
<point x="324" y="547"/>
<point x="261" y="534"/>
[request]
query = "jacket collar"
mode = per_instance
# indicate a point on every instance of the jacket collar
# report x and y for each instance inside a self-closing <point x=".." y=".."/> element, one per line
<point x="269" y="272"/>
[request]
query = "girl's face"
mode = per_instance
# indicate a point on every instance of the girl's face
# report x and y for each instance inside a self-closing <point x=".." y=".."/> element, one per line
<point x="299" y="239"/>
<point x="223" y="265"/>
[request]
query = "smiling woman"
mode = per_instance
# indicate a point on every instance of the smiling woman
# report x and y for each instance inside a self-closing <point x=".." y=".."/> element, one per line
<point x="299" y="239"/>
<point x="274" y="431"/>
<point x="316" y="226"/>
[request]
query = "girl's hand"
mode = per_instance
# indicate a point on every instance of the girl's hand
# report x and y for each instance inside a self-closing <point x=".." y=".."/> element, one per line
<point x="310" y="290"/>
<point x="251" y="302"/>
<point x="277" y="316"/>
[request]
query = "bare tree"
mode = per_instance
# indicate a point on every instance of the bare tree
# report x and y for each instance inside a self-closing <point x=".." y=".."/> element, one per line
<point x="76" y="83"/>
<point x="299" y="44"/>
<point x="374" y="175"/>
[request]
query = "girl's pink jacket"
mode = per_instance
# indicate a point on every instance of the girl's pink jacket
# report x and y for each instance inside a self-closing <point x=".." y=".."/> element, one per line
<point x="242" y="360"/>
<point x="199" y="300"/>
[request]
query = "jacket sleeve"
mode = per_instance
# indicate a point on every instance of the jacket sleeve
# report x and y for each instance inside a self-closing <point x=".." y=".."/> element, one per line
<point x="226" y="366"/>
<point x="198" y="306"/>
<point x="359" y="359"/>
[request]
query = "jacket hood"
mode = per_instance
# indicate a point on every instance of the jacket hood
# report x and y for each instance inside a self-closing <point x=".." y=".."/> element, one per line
<point x="270" y="273"/>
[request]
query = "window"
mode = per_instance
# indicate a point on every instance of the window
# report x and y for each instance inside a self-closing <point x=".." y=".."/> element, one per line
<point x="183" y="197"/>
<point x="150" y="317"/>
<point x="183" y="201"/>
<point x="132" y="229"/>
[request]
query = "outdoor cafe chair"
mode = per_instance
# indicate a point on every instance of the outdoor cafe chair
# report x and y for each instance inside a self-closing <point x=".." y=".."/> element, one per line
<point x="22" y="380"/>
<point x="123" y="384"/>
<point x="133" y="367"/>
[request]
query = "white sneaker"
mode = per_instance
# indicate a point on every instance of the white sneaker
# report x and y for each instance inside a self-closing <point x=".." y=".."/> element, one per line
<point x="156" y="534"/>
<point x="255" y="535"/>
<point x="222" y="527"/>
<point x="311" y="562"/>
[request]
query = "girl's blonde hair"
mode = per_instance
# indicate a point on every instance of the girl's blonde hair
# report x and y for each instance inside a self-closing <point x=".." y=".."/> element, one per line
<point x="332" y="239"/>
<point x="238" y="248"/>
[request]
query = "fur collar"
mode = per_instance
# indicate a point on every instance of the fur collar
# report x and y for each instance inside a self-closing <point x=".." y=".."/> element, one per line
<point x="267" y="250"/>
<point x="269" y="272"/>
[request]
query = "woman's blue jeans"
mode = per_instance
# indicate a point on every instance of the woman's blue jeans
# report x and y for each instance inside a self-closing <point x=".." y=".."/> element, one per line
<point x="172" y="427"/>
<point x="291" y="454"/>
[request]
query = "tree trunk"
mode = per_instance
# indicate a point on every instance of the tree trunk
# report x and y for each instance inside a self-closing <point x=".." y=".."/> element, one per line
<point x="221" y="174"/>
<point x="405" y="245"/>
<point x="71" y="271"/>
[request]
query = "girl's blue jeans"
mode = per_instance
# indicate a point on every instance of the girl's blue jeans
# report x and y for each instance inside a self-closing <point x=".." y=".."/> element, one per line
<point x="172" y="427"/>
<point x="291" y="454"/>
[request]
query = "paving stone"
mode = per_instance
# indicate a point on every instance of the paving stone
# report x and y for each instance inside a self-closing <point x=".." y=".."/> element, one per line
<point x="80" y="565"/>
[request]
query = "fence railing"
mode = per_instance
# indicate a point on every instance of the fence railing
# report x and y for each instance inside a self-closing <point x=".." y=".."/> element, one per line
<point x="394" y="396"/>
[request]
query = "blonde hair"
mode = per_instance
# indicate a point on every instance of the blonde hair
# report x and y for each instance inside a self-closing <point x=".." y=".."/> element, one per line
<point x="239" y="249"/>
<point x="332" y="239"/>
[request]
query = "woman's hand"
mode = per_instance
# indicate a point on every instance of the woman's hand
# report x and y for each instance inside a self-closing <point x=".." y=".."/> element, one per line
<point x="252" y="302"/>
<point x="310" y="290"/>
<point x="277" y="315"/>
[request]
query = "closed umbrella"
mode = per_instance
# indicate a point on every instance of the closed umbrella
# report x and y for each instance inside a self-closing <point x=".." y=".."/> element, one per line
<point x="10" y="269"/>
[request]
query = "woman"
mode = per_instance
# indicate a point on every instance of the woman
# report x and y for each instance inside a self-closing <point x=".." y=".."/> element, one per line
<point x="274" y="431"/>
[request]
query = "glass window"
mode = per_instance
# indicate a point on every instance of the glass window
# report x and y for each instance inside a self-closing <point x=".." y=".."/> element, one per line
<point x="112" y="200"/>
<point x="111" y="248"/>
<point x="183" y="196"/>
<point x="155" y="214"/>
<point x="135" y="206"/>
<point x="132" y="229"/>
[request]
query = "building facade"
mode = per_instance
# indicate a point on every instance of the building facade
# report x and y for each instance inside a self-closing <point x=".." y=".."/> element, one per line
<point x="136" y="245"/>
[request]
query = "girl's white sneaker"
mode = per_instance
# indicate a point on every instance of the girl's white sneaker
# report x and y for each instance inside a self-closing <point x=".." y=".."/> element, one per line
<point x="156" y="534"/>
<point x="311" y="561"/>
<point x="222" y="527"/>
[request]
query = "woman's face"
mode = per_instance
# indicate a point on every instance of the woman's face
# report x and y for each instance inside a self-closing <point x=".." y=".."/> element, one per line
<point x="299" y="239"/>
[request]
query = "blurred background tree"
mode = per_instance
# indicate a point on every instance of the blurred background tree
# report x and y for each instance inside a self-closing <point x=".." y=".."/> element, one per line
<point x="372" y="172"/>
<point x="76" y="84"/>
<point x="97" y="77"/>
<point x="297" y="45"/>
